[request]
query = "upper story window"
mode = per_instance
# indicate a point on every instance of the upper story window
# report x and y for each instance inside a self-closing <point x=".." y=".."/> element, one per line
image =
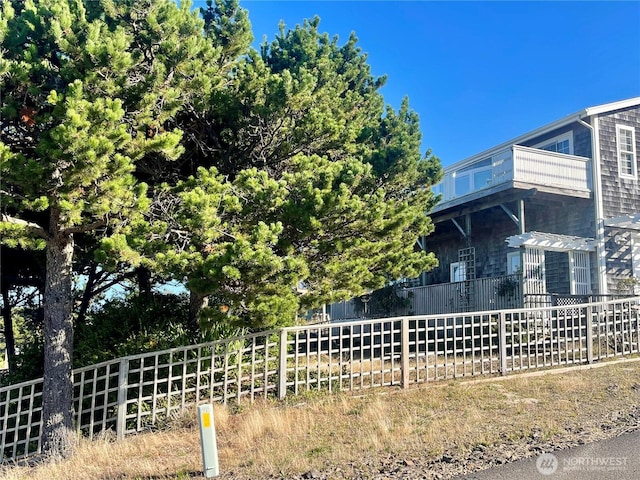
<point x="561" y="144"/>
<point x="473" y="177"/>
<point x="626" y="143"/>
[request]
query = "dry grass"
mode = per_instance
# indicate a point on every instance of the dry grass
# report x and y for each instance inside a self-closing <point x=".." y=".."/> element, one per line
<point x="303" y="433"/>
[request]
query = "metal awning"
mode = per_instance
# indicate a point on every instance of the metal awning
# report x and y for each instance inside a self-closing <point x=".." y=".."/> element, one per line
<point x="552" y="242"/>
<point x="626" y="222"/>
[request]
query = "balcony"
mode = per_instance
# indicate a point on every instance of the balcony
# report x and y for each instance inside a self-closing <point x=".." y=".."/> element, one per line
<point x="515" y="167"/>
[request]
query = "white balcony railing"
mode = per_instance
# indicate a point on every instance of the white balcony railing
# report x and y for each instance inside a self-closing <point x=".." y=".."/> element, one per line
<point x="519" y="164"/>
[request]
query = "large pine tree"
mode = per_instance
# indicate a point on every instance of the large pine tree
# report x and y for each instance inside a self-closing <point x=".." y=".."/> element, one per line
<point x="87" y="90"/>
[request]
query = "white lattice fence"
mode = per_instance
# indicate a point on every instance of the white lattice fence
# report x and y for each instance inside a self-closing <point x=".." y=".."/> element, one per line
<point x="137" y="392"/>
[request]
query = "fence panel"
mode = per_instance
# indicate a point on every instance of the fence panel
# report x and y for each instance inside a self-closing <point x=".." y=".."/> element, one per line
<point x="343" y="356"/>
<point x="453" y="346"/>
<point x="20" y="416"/>
<point x="481" y="294"/>
<point x="616" y="331"/>
<point x="162" y="383"/>
<point x="95" y="397"/>
<point x="543" y="338"/>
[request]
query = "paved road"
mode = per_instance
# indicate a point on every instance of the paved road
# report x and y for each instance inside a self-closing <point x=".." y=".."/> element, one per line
<point x="613" y="459"/>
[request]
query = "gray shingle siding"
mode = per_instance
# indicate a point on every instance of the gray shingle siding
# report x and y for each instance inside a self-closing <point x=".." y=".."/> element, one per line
<point x="547" y="136"/>
<point x="620" y="196"/>
<point x="619" y="254"/>
<point x="581" y="138"/>
<point x="582" y="141"/>
<point x="491" y="227"/>
<point x="574" y="216"/>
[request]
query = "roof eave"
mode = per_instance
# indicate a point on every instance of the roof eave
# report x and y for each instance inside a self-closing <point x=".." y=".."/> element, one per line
<point x="610" y="107"/>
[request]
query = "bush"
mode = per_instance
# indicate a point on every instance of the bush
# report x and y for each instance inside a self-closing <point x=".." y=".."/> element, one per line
<point x="27" y="325"/>
<point x="133" y="325"/>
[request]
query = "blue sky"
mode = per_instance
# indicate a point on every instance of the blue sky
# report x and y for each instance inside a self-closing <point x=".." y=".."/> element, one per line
<point x="481" y="73"/>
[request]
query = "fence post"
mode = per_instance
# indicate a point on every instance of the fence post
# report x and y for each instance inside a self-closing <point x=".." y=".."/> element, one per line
<point x="404" y="352"/>
<point x="589" y="334"/>
<point x="282" y="369"/>
<point x="123" y="384"/>
<point x="502" y="343"/>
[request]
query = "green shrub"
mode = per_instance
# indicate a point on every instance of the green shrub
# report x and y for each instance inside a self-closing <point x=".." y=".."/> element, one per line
<point x="133" y="325"/>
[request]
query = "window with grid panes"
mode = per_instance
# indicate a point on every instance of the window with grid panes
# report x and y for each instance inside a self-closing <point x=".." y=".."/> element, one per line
<point x="560" y="144"/>
<point x="626" y="144"/>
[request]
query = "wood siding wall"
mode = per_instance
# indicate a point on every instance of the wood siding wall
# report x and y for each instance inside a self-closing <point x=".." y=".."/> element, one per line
<point x="620" y="196"/>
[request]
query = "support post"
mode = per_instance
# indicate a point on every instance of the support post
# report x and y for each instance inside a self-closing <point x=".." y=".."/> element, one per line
<point x="282" y="365"/>
<point x="502" y="343"/>
<point x="405" y="353"/>
<point x="589" y="334"/>
<point x="123" y="380"/>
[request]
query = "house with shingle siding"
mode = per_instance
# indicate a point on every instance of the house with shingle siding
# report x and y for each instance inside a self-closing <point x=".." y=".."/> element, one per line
<point x="550" y="216"/>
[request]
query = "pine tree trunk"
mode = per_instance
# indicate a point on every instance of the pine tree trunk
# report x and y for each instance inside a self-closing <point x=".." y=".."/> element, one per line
<point x="58" y="435"/>
<point x="196" y="303"/>
<point x="87" y="295"/>
<point x="9" y="337"/>
<point x="144" y="281"/>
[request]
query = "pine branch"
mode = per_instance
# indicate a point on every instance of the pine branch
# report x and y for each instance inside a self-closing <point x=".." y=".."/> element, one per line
<point x="85" y="228"/>
<point x="32" y="227"/>
<point x="114" y="282"/>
